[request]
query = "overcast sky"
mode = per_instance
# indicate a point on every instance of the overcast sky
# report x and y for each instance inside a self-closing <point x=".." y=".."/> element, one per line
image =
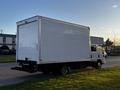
<point x="103" y="16"/>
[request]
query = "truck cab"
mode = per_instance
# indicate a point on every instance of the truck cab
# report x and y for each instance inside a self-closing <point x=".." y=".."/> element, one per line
<point x="97" y="55"/>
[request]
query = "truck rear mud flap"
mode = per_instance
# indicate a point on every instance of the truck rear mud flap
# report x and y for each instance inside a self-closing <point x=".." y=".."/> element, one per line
<point x="25" y="69"/>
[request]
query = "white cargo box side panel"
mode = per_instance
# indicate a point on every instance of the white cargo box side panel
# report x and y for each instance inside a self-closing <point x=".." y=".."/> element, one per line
<point x="27" y="40"/>
<point x="63" y="42"/>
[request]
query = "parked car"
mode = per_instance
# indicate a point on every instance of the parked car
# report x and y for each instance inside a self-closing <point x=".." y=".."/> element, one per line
<point x="4" y="50"/>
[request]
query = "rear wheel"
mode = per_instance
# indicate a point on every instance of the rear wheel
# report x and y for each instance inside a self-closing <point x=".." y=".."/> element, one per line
<point x="65" y="70"/>
<point x="69" y="69"/>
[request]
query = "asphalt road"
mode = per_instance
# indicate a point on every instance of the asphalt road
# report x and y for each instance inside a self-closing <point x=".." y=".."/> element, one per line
<point x="112" y="61"/>
<point x="8" y="76"/>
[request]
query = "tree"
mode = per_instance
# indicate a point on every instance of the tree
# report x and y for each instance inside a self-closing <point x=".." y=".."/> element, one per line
<point x="108" y="43"/>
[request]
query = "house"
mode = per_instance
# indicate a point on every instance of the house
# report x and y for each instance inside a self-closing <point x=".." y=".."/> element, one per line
<point x="8" y="40"/>
<point x="97" y="40"/>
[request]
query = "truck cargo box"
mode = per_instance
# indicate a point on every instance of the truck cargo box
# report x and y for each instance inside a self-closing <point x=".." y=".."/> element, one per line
<point x="44" y="40"/>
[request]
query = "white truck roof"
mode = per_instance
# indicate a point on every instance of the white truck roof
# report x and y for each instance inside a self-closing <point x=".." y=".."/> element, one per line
<point x="34" y="18"/>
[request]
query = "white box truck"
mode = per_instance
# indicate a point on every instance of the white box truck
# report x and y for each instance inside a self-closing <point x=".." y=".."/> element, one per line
<point x="50" y="45"/>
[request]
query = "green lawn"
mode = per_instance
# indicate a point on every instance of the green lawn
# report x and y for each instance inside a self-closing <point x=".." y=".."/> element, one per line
<point x="88" y="79"/>
<point x="7" y="58"/>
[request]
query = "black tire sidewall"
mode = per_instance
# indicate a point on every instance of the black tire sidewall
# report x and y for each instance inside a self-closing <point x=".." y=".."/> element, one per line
<point x="98" y="65"/>
<point x="64" y="70"/>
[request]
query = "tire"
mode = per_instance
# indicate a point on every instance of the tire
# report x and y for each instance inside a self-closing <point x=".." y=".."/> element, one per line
<point x="69" y="69"/>
<point x="65" y="70"/>
<point x="98" y="65"/>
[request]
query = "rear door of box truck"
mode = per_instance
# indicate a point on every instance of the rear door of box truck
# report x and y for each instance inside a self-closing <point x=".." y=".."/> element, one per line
<point x="27" y="41"/>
